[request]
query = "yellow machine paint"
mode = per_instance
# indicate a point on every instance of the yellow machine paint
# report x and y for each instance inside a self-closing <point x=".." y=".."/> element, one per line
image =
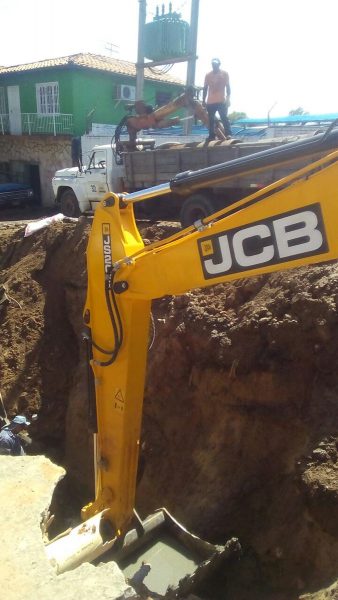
<point x="286" y="225"/>
<point x="119" y="386"/>
<point x="176" y="265"/>
<point x="291" y="223"/>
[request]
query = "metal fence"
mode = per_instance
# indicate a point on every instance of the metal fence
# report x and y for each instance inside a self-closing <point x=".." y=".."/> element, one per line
<point x="33" y="123"/>
<point x="52" y="124"/>
<point x="4" y="124"/>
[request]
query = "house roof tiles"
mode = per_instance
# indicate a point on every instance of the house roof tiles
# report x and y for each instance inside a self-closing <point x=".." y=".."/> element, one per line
<point x="92" y="61"/>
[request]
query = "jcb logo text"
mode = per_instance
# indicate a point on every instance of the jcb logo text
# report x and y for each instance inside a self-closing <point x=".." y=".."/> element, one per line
<point x="275" y="240"/>
<point x="107" y="256"/>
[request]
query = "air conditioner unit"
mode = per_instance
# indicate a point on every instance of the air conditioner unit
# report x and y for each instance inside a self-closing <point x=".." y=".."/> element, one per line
<point x="126" y="92"/>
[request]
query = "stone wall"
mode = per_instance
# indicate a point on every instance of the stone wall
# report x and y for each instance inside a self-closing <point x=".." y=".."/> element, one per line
<point x="48" y="152"/>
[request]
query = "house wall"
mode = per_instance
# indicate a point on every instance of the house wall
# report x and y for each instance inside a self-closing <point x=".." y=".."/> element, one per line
<point x="27" y="80"/>
<point x="48" y="152"/>
<point x="94" y="90"/>
<point x="82" y="91"/>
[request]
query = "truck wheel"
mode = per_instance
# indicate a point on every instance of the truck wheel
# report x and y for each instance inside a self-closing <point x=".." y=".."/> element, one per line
<point x="196" y="207"/>
<point x="69" y="204"/>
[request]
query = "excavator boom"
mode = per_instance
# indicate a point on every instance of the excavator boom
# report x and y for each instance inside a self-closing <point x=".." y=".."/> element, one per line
<point x="290" y="223"/>
<point x="158" y="118"/>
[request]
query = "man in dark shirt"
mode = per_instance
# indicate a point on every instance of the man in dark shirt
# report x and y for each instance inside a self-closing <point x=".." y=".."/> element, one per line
<point x="10" y="443"/>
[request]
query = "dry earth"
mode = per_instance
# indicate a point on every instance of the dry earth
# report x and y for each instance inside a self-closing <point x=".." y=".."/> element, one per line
<point x="27" y="483"/>
<point x="240" y="418"/>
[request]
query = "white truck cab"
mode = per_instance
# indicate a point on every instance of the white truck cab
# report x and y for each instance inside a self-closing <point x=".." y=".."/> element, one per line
<point x="79" y="190"/>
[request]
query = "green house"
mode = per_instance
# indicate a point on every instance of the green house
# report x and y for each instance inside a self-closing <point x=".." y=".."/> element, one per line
<point x="75" y="94"/>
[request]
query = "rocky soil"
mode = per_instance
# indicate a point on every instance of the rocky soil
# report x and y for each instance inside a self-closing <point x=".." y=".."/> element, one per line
<point x="26" y="485"/>
<point x="240" y="419"/>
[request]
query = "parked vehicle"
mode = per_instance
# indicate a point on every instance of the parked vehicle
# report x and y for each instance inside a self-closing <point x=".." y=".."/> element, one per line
<point x="79" y="190"/>
<point x="15" y="194"/>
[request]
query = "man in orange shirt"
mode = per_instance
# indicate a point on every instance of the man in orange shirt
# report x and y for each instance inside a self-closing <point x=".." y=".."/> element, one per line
<point x="215" y="84"/>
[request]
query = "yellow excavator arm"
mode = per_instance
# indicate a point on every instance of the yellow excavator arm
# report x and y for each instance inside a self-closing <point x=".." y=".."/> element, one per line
<point x="291" y="223"/>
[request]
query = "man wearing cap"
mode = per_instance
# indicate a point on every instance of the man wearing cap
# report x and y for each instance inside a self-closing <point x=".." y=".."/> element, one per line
<point x="216" y="83"/>
<point x="10" y="443"/>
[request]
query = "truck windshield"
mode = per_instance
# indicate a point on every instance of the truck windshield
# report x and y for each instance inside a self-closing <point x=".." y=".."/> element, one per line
<point x="98" y="160"/>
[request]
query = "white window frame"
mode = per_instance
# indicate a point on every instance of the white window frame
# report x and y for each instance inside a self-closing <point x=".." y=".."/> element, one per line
<point x="2" y="101"/>
<point x="47" y="98"/>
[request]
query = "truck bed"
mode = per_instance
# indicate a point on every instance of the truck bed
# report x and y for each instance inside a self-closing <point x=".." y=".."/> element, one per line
<point x="148" y="168"/>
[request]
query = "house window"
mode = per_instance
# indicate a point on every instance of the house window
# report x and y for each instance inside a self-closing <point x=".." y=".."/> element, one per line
<point x="2" y="101"/>
<point x="47" y="98"/>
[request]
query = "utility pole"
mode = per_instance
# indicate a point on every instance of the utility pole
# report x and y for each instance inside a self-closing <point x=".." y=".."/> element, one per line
<point x="140" y="49"/>
<point x="269" y="111"/>
<point x="190" y="58"/>
<point x="191" y="69"/>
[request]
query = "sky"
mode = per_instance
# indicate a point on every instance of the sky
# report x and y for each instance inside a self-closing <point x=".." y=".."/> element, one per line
<point x="280" y="54"/>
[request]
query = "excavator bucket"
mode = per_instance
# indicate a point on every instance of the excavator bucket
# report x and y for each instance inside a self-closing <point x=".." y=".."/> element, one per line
<point x="180" y="561"/>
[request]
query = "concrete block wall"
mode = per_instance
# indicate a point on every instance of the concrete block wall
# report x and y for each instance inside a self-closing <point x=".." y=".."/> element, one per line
<point x="48" y="152"/>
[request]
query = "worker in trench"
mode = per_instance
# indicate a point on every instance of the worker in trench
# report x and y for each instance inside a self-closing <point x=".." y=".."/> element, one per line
<point x="10" y="441"/>
<point x="138" y="578"/>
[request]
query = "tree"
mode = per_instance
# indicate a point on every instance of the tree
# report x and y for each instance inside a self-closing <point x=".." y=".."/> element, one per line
<point x="235" y="116"/>
<point x="298" y="111"/>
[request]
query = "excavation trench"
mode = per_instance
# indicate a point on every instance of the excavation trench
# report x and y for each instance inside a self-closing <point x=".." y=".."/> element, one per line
<point x="240" y="416"/>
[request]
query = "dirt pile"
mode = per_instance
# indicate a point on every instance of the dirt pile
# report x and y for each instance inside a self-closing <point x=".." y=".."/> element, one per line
<point x="42" y="364"/>
<point x="240" y="419"/>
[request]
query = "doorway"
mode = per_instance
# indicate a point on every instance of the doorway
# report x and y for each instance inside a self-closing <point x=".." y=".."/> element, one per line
<point x="34" y="178"/>
<point x="14" y="110"/>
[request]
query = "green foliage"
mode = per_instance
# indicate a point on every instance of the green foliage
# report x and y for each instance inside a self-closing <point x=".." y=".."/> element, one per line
<point x="234" y="116"/>
<point x="298" y="111"/>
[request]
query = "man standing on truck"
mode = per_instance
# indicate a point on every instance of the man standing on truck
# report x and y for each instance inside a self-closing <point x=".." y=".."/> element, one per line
<point x="215" y="84"/>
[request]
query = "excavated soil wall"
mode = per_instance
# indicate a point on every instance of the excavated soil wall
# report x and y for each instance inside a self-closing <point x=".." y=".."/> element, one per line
<point x="240" y="417"/>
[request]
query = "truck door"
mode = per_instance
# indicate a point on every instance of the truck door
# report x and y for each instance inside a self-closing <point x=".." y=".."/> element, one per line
<point x="96" y="177"/>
